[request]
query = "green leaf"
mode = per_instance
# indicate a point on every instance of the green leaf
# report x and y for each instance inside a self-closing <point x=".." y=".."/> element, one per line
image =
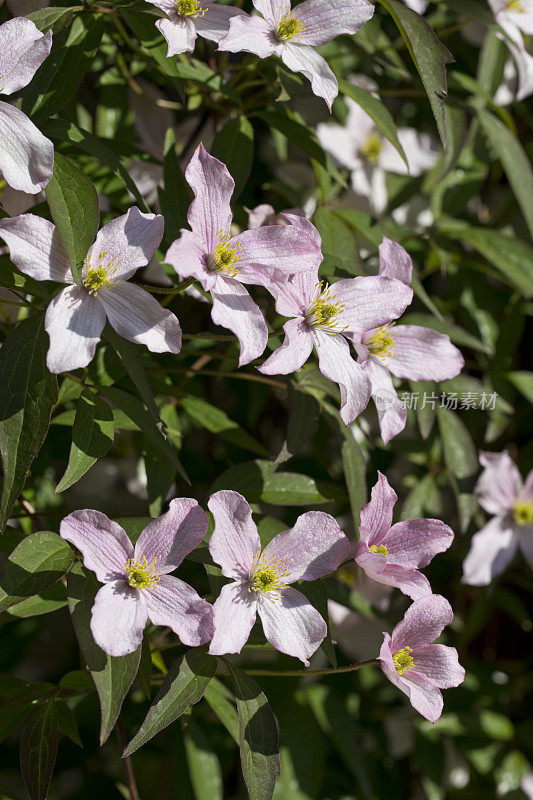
<point x="112" y="675"/>
<point x="204" y="766"/>
<point x="514" y="161"/>
<point x="20" y="704"/>
<point x="377" y="111"/>
<point x="128" y="353"/>
<point x="175" y="197"/>
<point x="337" y="238"/>
<point x="38" y="750"/>
<point x="143" y="26"/>
<point x="296" y="133"/>
<point x="57" y="80"/>
<point x="302" y="424"/>
<point x="92" y="436"/>
<point x="315" y="591"/>
<point x="73" y="202"/>
<point x="460" y="452"/>
<point x="429" y="55"/>
<point x="45" y="602"/>
<point x="30" y="392"/>
<point x="258" y="736"/>
<point x="11" y="278"/>
<point x="184" y="685"/>
<point x="218" y="697"/>
<point x="67" y="722"/>
<point x="523" y="381"/>
<point x="258" y="483"/>
<point x="52" y="18"/>
<point x="217" y="421"/>
<point x="234" y="146"/>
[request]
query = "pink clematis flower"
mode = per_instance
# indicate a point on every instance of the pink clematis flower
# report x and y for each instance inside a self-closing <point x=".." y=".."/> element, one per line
<point x="417" y="667"/>
<point x="261" y="579"/>
<point x="137" y="584"/>
<point x="406" y="351"/>
<point x="26" y="156"/>
<point x="393" y="554"/>
<point x="328" y="318"/>
<point x="223" y="263"/>
<point x="187" y="19"/>
<point x="292" y="35"/>
<point x="500" y="491"/>
<point x="512" y="14"/>
<point x="76" y="316"/>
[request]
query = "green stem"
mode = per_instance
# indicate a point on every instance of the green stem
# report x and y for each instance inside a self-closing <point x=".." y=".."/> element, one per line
<point x="292" y="673"/>
<point x="166" y="289"/>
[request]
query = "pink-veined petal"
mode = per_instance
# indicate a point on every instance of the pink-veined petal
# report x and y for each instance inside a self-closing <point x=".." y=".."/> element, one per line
<point x="137" y="316"/>
<point x="118" y="618"/>
<point x="174" y="535"/>
<point x="273" y="10"/>
<point x="235" y="540"/>
<point x="423" y="622"/>
<point x="425" y="697"/>
<point x="23" y="48"/>
<point x="127" y="242"/>
<point x="415" y="542"/>
<point x="275" y="248"/>
<point x="371" y="302"/>
<point x="336" y="363"/>
<point x="314" y="547"/>
<point x="387" y="664"/>
<point x="214" y="24"/>
<point x="392" y="412"/>
<point x="294" y="295"/>
<point x="491" y="551"/>
<point x="209" y="213"/>
<point x="376" y="516"/>
<point x="395" y="261"/>
<point x="35" y="248"/>
<point x="174" y="603"/>
<point x="422" y="354"/>
<point x="291" y="624"/>
<point x="180" y="34"/>
<point x="233" y="308"/>
<point x="293" y="353"/>
<point x="302" y="58"/>
<point x="26" y="156"/>
<point x="499" y="483"/>
<point x="323" y="20"/>
<point x="103" y="544"/>
<point x="74" y="322"/>
<point x="250" y="34"/>
<point x="235" y="611"/>
<point x="408" y="580"/>
<point x="187" y="255"/>
<point x="440" y="664"/>
<point x="419" y="149"/>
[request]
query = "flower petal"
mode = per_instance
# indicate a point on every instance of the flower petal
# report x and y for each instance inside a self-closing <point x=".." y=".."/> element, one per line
<point x="292" y="625"/>
<point x="233" y="308"/>
<point x="286" y="249"/>
<point x="302" y="58"/>
<point x="340" y="143"/>
<point x="74" y="321"/>
<point x="371" y="302"/>
<point x="174" y="535"/>
<point x="492" y="550"/>
<point x="137" y="316"/>
<point x="129" y="241"/>
<point x="118" y="618"/>
<point x="235" y="611"/>
<point x="187" y="256"/>
<point x="323" y="20"/>
<point x="273" y="10"/>
<point x="209" y="213"/>
<point x="214" y="24"/>
<point x="235" y="540"/>
<point x="294" y="295"/>
<point x="293" y="353"/>
<point x="499" y="483"/>
<point x="392" y="412"/>
<point x="440" y="664"/>
<point x="23" y="48"/>
<point x="415" y="542"/>
<point x="26" y="156"/>
<point x="314" y="547"/>
<point x="376" y="516"/>
<point x="337" y="364"/>
<point x="422" y="354"/>
<point x="395" y="261"/>
<point x="424" y="620"/>
<point x="179" y="33"/>
<point x="176" y="604"/>
<point x="425" y="697"/>
<point x="250" y="34"/>
<point x="103" y="544"/>
<point x="408" y="580"/>
<point x="35" y="248"/>
<point x="419" y="149"/>
<point x="387" y="664"/>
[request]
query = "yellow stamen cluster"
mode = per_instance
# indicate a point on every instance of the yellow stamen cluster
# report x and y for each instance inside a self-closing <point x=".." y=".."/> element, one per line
<point x="402" y="660"/>
<point x="141" y="574"/>
<point x="289" y="28"/>
<point x="225" y="257"/>
<point x="381" y="343"/>
<point x="267" y="576"/>
<point x="379" y="548"/>
<point x="516" y="5"/>
<point x="103" y="275"/>
<point x="324" y="309"/>
<point x="523" y="513"/>
<point x="372" y="147"/>
<point x="189" y="8"/>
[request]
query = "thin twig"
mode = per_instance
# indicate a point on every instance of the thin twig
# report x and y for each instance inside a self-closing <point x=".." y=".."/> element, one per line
<point x="291" y="673"/>
<point x="128" y="765"/>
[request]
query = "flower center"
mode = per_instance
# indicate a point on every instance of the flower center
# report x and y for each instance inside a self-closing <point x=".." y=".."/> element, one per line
<point x="372" y="148"/>
<point x="523" y="513"/>
<point x="324" y="309"/>
<point x="103" y="275"/>
<point x="267" y="576"/>
<point x="516" y="5"/>
<point x="289" y="28"/>
<point x="381" y="343"/>
<point x="189" y="8"/>
<point x="141" y="574"/>
<point x="402" y="660"/>
<point x="379" y="548"/>
<point x="225" y="257"/>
